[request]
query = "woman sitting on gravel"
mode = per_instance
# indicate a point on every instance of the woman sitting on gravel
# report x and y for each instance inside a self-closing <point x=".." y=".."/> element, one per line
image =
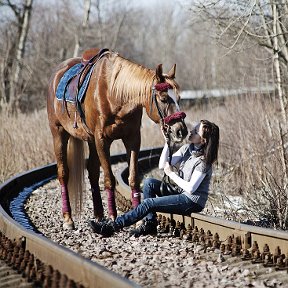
<point x="195" y="164"/>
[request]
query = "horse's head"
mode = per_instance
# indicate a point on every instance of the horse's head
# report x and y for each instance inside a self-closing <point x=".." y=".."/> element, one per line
<point x="164" y="105"/>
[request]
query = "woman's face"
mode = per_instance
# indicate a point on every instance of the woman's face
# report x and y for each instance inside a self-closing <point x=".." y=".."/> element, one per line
<point x="196" y="133"/>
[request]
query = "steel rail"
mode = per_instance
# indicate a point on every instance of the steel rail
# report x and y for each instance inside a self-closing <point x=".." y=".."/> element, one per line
<point x="58" y="258"/>
<point x="254" y="243"/>
<point x="251" y="242"/>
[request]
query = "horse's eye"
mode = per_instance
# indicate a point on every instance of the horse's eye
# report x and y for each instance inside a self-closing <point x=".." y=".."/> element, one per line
<point x="167" y="100"/>
<point x="164" y="100"/>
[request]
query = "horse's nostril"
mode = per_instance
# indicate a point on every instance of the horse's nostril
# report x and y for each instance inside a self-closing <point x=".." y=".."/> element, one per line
<point x="185" y="133"/>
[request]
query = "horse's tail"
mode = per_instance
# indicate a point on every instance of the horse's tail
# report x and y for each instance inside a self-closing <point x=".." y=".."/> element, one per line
<point x="76" y="164"/>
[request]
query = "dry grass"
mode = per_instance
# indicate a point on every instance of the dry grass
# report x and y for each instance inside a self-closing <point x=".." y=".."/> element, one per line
<point x="26" y="142"/>
<point x="251" y="157"/>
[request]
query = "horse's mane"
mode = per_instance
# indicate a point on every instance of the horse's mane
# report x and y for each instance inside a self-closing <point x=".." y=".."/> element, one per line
<point x="130" y="82"/>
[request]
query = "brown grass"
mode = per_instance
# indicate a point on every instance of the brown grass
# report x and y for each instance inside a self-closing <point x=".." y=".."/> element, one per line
<point x="251" y="157"/>
<point x="25" y="143"/>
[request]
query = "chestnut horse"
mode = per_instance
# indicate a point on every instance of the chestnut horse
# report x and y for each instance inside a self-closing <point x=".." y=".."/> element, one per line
<point x="116" y="94"/>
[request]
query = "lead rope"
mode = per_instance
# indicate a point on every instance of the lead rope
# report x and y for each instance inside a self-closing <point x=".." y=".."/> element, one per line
<point x="168" y="141"/>
<point x="165" y="178"/>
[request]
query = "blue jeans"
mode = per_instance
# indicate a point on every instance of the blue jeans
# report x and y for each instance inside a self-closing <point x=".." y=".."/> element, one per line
<point x="175" y="204"/>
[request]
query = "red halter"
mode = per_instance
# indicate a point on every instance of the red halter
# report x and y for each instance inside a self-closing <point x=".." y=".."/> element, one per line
<point x="175" y="116"/>
<point x="163" y="87"/>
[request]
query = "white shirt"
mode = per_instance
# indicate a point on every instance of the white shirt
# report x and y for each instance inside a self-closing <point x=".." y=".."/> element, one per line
<point x="196" y="177"/>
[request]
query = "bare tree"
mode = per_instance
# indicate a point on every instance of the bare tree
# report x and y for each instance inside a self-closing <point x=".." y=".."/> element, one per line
<point x="15" y="56"/>
<point x="81" y="32"/>
<point x="262" y="22"/>
<point x="259" y="25"/>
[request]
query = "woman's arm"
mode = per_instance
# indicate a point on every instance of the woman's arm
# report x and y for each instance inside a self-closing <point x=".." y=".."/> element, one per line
<point x="191" y="186"/>
<point x="164" y="156"/>
<point x="176" y="157"/>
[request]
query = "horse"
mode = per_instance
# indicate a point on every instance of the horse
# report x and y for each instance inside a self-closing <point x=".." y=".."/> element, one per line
<point x="112" y="108"/>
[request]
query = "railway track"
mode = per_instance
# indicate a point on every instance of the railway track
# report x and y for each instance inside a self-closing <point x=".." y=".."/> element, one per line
<point x="44" y="263"/>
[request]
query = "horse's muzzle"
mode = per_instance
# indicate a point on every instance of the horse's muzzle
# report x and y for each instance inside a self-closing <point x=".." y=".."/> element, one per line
<point x="178" y="132"/>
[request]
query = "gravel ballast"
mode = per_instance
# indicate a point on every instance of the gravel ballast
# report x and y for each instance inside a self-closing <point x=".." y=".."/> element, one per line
<point x="150" y="261"/>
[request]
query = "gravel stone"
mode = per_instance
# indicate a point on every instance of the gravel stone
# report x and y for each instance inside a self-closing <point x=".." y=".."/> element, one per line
<point x="150" y="261"/>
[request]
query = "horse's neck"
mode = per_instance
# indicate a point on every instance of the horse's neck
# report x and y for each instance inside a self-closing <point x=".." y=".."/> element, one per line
<point x="131" y="83"/>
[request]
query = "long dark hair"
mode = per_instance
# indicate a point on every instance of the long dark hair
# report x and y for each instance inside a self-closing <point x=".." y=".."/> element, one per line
<point x="211" y="137"/>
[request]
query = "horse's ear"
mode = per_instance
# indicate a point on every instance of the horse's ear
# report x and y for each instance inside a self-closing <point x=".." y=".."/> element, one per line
<point x="159" y="74"/>
<point x="171" y="73"/>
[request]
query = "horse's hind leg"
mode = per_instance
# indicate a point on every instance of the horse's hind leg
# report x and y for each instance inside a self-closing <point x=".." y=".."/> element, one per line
<point x="93" y="167"/>
<point x="60" y="140"/>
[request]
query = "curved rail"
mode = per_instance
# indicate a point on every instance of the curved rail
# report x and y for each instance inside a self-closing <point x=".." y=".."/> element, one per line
<point x="261" y="245"/>
<point x="40" y="259"/>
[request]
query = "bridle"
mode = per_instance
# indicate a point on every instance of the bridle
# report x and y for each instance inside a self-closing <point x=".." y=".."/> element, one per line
<point x="165" y="120"/>
<point x="162" y="87"/>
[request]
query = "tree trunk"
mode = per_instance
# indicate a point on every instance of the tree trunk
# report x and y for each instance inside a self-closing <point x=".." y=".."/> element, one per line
<point x="277" y="64"/>
<point x="17" y="66"/>
<point x="78" y="35"/>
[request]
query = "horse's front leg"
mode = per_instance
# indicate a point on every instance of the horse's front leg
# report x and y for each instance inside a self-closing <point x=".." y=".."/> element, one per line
<point x="132" y="145"/>
<point x="93" y="167"/>
<point x="103" y="150"/>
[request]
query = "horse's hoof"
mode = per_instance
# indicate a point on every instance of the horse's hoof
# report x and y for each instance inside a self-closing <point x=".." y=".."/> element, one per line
<point x="99" y="217"/>
<point x="113" y="216"/>
<point x="68" y="225"/>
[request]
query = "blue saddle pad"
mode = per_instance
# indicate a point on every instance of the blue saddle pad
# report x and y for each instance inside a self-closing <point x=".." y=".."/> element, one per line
<point x="62" y="92"/>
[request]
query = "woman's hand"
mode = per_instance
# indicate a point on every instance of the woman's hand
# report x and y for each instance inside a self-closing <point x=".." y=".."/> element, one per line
<point x="164" y="130"/>
<point x="168" y="169"/>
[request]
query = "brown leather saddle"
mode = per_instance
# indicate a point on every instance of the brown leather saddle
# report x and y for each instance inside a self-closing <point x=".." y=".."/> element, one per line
<point x="73" y="86"/>
<point x="89" y="58"/>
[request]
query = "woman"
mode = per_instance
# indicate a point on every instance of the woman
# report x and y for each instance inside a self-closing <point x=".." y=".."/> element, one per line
<point x="195" y="166"/>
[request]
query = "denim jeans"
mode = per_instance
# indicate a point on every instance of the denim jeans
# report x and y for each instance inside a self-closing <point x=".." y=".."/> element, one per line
<point x="175" y="204"/>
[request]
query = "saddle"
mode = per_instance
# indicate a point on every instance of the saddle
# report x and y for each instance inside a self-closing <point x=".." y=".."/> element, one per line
<point x="73" y="85"/>
<point x="89" y="58"/>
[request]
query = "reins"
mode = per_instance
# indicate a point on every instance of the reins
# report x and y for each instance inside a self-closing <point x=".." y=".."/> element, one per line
<point x="168" y="141"/>
<point x="162" y="117"/>
<point x="154" y="99"/>
<point x="165" y="120"/>
<point x="165" y="179"/>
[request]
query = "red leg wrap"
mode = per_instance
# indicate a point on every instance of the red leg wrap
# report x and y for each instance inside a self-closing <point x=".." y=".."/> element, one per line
<point x="135" y="197"/>
<point x="111" y="203"/>
<point x="66" y="208"/>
